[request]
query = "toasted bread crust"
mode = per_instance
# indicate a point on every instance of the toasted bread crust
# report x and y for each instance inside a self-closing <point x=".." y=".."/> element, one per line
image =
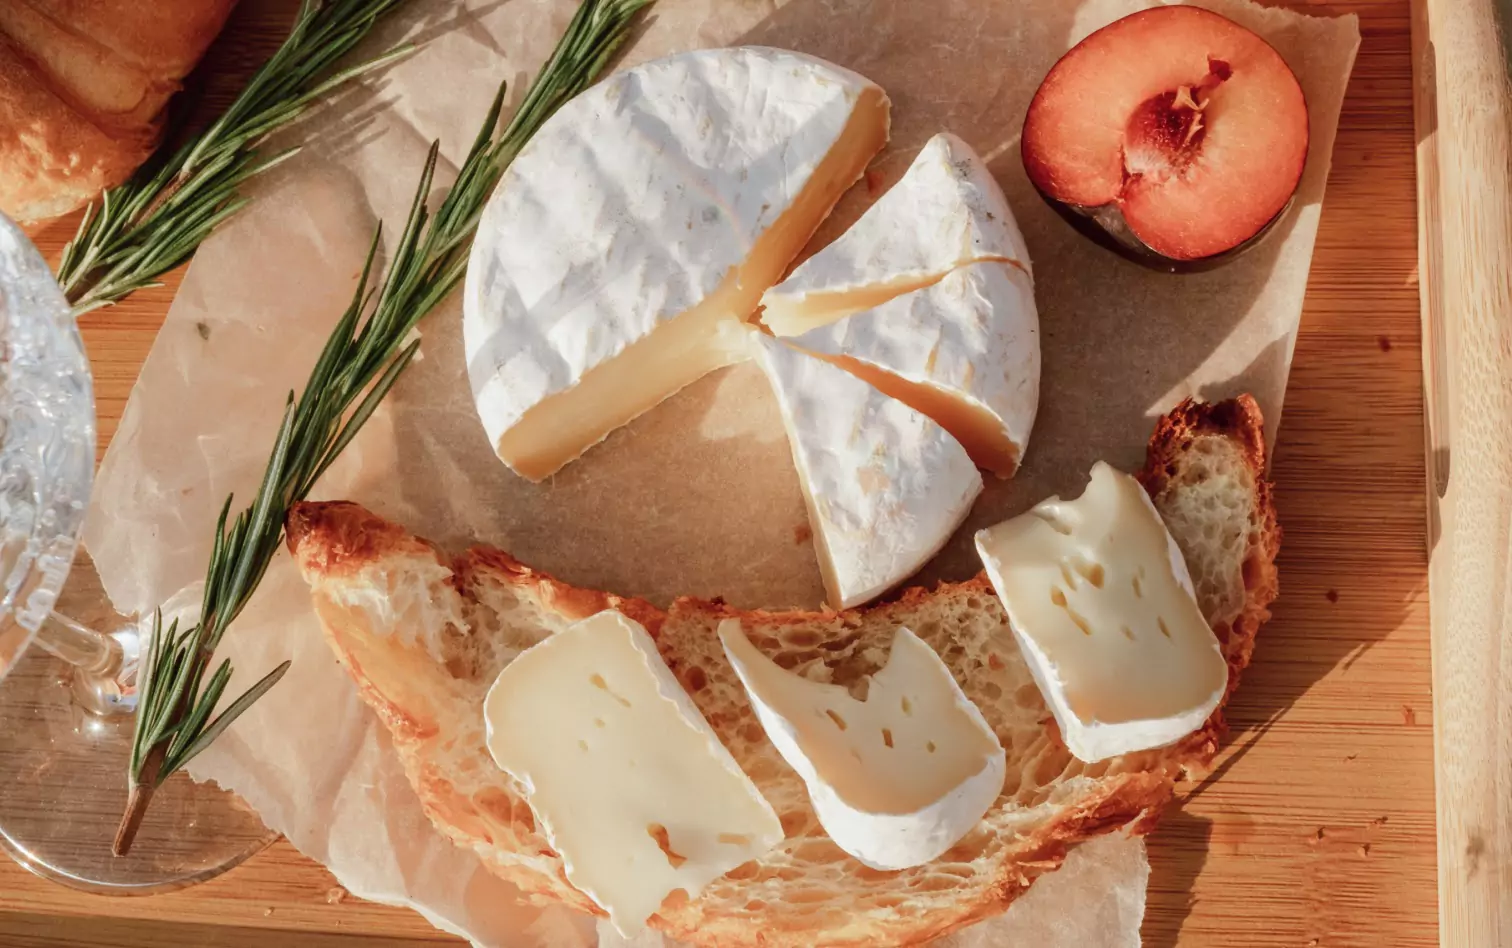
<point x="83" y="88"/>
<point x="1238" y="420"/>
<point x="570" y="602"/>
<point x="335" y="541"/>
<point x="337" y="538"/>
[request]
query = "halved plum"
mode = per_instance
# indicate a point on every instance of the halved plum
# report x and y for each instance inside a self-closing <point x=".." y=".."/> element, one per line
<point x="1174" y="135"/>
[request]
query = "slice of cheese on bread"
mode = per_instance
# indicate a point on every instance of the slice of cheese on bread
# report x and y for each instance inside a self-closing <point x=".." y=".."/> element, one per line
<point x="897" y="777"/>
<point x="625" y="776"/>
<point x="424" y="635"/>
<point x="1099" y="596"/>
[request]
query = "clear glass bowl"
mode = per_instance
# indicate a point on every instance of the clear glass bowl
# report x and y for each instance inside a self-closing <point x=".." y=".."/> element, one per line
<point x="47" y="441"/>
<point x="63" y="747"/>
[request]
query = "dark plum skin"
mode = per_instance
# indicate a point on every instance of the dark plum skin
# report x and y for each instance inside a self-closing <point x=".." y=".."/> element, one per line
<point x="1105" y="227"/>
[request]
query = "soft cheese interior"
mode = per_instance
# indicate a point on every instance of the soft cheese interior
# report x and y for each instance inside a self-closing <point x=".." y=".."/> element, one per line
<point x="1100" y="600"/>
<point x="946" y="211"/>
<point x="964" y="351"/>
<point x="633" y="786"/>
<point x="896" y="777"/>
<point x="885" y="485"/>
<point x="640" y="227"/>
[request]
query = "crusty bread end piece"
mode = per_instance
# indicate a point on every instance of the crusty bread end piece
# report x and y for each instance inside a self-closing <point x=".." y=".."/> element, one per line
<point x="1205" y="470"/>
<point x="83" y="86"/>
<point x="424" y="636"/>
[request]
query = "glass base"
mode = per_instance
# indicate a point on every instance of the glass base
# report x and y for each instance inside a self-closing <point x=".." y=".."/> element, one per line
<point x="63" y="786"/>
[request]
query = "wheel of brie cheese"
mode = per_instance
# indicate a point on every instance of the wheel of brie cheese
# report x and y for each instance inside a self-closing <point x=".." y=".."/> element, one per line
<point x="637" y="242"/>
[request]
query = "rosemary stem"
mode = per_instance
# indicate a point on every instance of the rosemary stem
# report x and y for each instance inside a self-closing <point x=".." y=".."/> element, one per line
<point x="361" y="361"/>
<point x="143" y="228"/>
<point x="140" y="797"/>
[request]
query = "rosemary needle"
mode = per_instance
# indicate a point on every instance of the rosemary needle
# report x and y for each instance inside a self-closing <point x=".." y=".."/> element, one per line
<point x="362" y="359"/>
<point x="140" y="230"/>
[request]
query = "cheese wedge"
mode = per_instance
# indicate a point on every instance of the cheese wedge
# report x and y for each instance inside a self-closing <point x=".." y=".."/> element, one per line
<point x="1100" y="600"/>
<point x="945" y="212"/>
<point x="639" y="227"/>
<point x="630" y="783"/>
<point x="895" y="779"/>
<point x="885" y="485"/>
<point x="964" y="351"/>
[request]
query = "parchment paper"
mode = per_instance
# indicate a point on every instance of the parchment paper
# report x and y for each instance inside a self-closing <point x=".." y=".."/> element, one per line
<point x="697" y="497"/>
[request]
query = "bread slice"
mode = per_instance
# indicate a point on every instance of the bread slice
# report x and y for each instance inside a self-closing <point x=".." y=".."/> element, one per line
<point x="83" y="87"/>
<point x="424" y="635"/>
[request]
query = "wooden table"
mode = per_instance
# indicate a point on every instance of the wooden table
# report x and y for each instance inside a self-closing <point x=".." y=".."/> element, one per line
<point x="1320" y="828"/>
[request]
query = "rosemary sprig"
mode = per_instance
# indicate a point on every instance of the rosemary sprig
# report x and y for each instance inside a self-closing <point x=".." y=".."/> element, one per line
<point x="142" y="229"/>
<point x="361" y="361"/>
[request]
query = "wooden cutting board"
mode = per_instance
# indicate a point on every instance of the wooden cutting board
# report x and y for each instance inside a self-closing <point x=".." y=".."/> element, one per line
<point x="1319" y="829"/>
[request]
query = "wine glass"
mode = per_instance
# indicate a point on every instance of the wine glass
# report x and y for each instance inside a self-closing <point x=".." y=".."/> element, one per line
<point x="66" y="705"/>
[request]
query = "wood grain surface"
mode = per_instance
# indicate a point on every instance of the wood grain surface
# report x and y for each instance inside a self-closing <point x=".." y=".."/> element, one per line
<point x="1464" y="121"/>
<point x="1319" y="830"/>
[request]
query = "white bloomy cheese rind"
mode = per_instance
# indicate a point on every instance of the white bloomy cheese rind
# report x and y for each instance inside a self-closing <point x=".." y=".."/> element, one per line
<point x="945" y="212"/>
<point x="1101" y="602"/>
<point x="964" y="351"/>
<point x="896" y="779"/>
<point x="637" y="229"/>
<point x="631" y="784"/>
<point x="885" y="485"/>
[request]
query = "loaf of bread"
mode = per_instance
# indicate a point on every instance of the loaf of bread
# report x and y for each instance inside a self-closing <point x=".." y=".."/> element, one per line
<point x="83" y="87"/>
<point x="424" y="635"/>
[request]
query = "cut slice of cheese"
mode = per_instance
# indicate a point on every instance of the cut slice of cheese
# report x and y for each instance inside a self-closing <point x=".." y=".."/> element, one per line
<point x="1100" y="600"/>
<point x="895" y="779"/>
<point x="964" y="351"/>
<point x="639" y="227"/>
<point x="631" y="784"/>
<point x="945" y="212"/>
<point x="885" y="485"/>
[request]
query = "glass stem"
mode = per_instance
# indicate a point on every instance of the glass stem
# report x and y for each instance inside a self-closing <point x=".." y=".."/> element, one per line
<point x="93" y="653"/>
<point x="104" y="666"/>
